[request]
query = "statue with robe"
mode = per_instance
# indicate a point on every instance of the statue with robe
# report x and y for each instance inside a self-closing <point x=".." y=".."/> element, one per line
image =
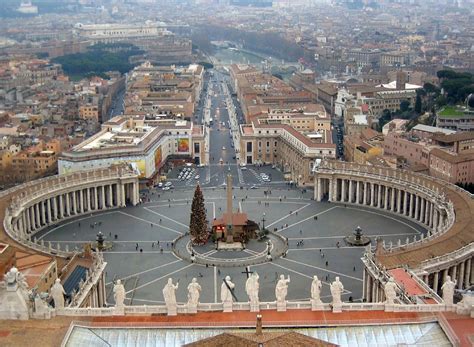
<point x="316" y="290"/>
<point x="194" y="291"/>
<point x="281" y="289"/>
<point x="226" y="290"/>
<point x="57" y="293"/>
<point x="390" y="290"/>
<point x="169" y="293"/>
<point x="336" y="291"/>
<point x="251" y="287"/>
<point x="448" y="290"/>
<point x="119" y="294"/>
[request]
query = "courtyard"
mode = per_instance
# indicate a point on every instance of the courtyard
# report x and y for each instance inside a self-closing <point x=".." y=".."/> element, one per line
<point x="143" y="237"/>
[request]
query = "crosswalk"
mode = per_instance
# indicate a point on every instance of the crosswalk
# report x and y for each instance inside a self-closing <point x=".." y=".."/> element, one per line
<point x="241" y="176"/>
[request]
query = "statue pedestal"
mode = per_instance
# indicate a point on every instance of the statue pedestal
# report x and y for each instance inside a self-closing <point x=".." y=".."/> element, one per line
<point x="254" y="307"/>
<point x="192" y="308"/>
<point x="316" y="305"/>
<point x="281" y="306"/>
<point x="337" y="308"/>
<point x="119" y="311"/>
<point x="171" y="310"/>
<point x="389" y="308"/>
<point x="12" y="287"/>
<point x="227" y="306"/>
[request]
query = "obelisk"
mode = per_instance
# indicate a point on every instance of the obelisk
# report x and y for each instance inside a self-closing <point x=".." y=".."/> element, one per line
<point x="229" y="194"/>
<point x="229" y="235"/>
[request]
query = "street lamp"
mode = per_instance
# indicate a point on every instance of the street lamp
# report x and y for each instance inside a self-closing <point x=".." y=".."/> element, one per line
<point x="263" y="221"/>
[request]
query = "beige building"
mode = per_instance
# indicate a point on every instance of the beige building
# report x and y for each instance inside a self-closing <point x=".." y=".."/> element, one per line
<point x="282" y="145"/>
<point x="89" y="112"/>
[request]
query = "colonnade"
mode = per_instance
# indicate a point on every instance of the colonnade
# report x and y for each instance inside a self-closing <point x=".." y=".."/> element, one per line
<point x="384" y="195"/>
<point x="460" y="270"/>
<point x="58" y="205"/>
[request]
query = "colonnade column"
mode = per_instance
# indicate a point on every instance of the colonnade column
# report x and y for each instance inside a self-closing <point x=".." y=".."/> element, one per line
<point x="358" y="183"/>
<point x="399" y="201"/>
<point x="392" y="199"/>
<point x="422" y="210"/>
<point x="61" y="206"/>
<point x="88" y="197"/>
<point x="68" y="204"/>
<point x="55" y="207"/>
<point x="331" y="197"/>
<point x="372" y="194"/>
<point x="366" y="193"/>
<point x="48" y="210"/>
<point x="37" y="216"/>
<point x="460" y="278"/>
<point x="28" y="219"/>
<point x="343" y="190"/>
<point x="435" y="281"/>
<point x="431" y="214"/>
<point x="111" y="199"/>
<point x="467" y="273"/>
<point x="412" y="203"/>
<point x="96" y="199"/>
<point x="351" y="191"/>
<point x="43" y="213"/>
<point x="405" y="203"/>
<point x="122" y="195"/>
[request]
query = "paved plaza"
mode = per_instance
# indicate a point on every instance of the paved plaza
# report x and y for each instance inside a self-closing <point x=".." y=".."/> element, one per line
<point x="142" y="239"/>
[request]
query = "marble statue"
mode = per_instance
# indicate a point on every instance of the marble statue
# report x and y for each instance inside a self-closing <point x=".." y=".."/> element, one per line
<point x="169" y="293"/>
<point x="316" y="290"/>
<point x="57" y="292"/>
<point x="226" y="287"/>
<point x="119" y="294"/>
<point x="281" y="289"/>
<point x="390" y="291"/>
<point x="11" y="278"/>
<point x="194" y="290"/>
<point x="336" y="291"/>
<point x="251" y="287"/>
<point x="448" y="290"/>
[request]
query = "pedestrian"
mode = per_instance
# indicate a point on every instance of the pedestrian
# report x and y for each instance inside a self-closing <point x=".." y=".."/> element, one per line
<point x="354" y="268"/>
<point x="301" y="231"/>
<point x="116" y="236"/>
<point x="327" y="263"/>
<point x="152" y="245"/>
<point x="141" y="250"/>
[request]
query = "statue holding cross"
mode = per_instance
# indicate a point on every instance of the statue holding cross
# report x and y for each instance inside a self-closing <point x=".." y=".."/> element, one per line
<point x="227" y="293"/>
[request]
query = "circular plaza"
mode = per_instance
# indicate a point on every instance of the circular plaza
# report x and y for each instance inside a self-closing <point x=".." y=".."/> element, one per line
<point x="149" y="243"/>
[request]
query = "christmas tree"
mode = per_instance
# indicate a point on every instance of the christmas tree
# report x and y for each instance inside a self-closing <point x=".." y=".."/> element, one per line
<point x="198" y="222"/>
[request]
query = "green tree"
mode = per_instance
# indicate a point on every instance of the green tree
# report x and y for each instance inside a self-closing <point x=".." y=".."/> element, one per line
<point x="384" y="118"/>
<point x="404" y="105"/>
<point x="418" y="104"/>
<point x="198" y="222"/>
